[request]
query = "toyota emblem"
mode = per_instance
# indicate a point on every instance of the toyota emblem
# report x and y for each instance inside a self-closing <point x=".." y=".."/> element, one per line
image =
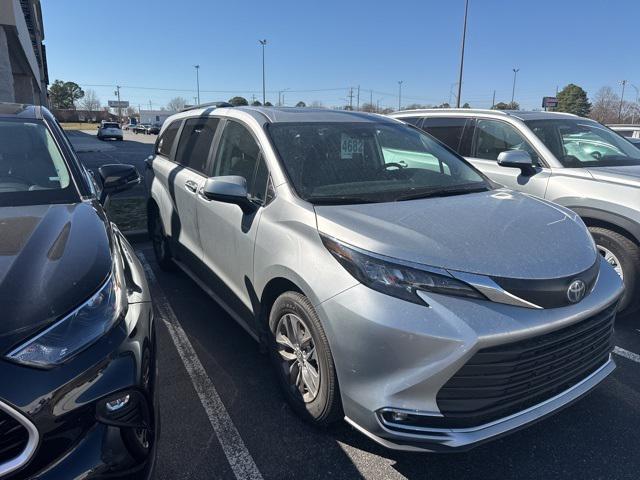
<point x="576" y="291"/>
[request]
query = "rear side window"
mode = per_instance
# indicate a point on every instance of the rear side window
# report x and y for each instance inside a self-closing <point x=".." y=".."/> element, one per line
<point x="450" y="131"/>
<point x="165" y="142"/>
<point x="195" y="142"/>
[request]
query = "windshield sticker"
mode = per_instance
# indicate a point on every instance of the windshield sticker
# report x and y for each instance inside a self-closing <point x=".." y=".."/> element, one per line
<point x="350" y="145"/>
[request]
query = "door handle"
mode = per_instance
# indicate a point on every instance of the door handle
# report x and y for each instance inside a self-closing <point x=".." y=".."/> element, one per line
<point x="191" y="186"/>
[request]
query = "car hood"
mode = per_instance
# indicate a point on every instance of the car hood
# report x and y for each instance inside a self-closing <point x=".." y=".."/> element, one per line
<point x="52" y="258"/>
<point x="497" y="233"/>
<point x="628" y="174"/>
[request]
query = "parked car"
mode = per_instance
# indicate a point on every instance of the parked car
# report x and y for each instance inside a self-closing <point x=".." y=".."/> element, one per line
<point x="629" y="131"/>
<point x="77" y="341"/>
<point x="391" y="282"/>
<point x="569" y="160"/>
<point x="109" y="130"/>
<point x="141" y="128"/>
<point x="154" y="129"/>
<point x="129" y="126"/>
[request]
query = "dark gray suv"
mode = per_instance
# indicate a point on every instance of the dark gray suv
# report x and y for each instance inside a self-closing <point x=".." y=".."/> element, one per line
<point x="572" y="161"/>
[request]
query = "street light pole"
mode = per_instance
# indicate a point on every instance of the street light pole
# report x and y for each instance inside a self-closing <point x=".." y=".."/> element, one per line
<point x="513" y="90"/>
<point x="197" y="67"/>
<point x="400" y="94"/>
<point x="464" y="37"/>
<point x="117" y="92"/>
<point x="264" y="94"/>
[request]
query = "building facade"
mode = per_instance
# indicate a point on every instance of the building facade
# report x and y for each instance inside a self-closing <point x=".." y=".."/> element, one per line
<point x="154" y="116"/>
<point x="23" y="58"/>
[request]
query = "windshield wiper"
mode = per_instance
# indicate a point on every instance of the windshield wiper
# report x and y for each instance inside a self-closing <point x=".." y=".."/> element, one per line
<point x="442" y="192"/>
<point x="338" y="200"/>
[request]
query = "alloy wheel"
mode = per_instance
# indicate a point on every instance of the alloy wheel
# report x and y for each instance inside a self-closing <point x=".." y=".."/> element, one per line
<point x="611" y="259"/>
<point x="299" y="356"/>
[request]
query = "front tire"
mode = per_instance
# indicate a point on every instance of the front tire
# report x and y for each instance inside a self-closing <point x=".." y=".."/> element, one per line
<point x="624" y="256"/>
<point x="160" y="241"/>
<point x="302" y="359"/>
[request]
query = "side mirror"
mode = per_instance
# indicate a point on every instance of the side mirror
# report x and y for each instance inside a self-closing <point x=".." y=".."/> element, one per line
<point x="98" y="127"/>
<point x="117" y="178"/>
<point x="229" y="189"/>
<point x="517" y="159"/>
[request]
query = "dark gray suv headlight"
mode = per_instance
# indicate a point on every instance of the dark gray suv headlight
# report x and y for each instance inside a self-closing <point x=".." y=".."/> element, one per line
<point x="77" y="330"/>
<point x="396" y="279"/>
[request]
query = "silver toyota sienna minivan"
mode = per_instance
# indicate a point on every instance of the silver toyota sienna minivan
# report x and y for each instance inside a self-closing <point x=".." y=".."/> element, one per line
<point x="394" y="285"/>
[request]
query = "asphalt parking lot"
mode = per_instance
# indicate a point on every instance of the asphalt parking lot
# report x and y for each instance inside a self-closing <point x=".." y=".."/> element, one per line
<point x="224" y="417"/>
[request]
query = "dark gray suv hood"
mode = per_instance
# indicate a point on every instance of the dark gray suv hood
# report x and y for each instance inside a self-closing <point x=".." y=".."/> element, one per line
<point x="498" y="233"/>
<point x="52" y="258"/>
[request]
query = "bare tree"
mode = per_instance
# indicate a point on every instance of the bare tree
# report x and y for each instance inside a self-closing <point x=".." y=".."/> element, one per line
<point x="368" y="107"/>
<point x="176" y="104"/>
<point x="90" y="102"/>
<point x="317" y="104"/>
<point x="606" y="105"/>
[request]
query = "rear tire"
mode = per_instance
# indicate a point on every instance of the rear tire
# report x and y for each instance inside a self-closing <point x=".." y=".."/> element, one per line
<point x="624" y="255"/>
<point x="302" y="359"/>
<point x="160" y="241"/>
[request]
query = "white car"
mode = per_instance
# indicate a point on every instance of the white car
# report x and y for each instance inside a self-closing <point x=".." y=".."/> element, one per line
<point x="629" y="131"/>
<point x="109" y="130"/>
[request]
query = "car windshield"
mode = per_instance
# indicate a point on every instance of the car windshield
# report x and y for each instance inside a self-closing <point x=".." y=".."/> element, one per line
<point x="369" y="162"/>
<point x="581" y="143"/>
<point x="110" y="125"/>
<point x="32" y="169"/>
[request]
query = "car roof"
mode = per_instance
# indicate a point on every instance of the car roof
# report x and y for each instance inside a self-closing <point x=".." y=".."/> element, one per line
<point x="291" y="114"/>
<point x="520" y="114"/>
<point x="21" y="110"/>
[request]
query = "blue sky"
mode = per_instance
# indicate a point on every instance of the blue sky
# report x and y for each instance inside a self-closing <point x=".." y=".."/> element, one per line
<point x="332" y="45"/>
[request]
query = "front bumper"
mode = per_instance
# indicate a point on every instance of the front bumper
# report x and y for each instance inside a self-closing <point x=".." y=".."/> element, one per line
<point x="62" y="402"/>
<point x="391" y="354"/>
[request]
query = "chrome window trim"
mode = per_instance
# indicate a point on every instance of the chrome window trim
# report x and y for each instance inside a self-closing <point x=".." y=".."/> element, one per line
<point x="32" y="443"/>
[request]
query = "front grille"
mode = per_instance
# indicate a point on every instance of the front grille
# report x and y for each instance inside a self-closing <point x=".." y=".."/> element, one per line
<point x="502" y="380"/>
<point x="14" y="438"/>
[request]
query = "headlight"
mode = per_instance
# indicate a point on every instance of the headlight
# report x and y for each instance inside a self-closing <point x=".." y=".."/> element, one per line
<point x="395" y="279"/>
<point x="77" y="330"/>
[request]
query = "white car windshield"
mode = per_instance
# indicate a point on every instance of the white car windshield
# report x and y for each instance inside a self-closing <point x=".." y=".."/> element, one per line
<point x="369" y="162"/>
<point x="579" y="143"/>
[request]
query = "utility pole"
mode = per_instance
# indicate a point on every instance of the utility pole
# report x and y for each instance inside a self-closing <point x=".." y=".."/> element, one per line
<point x="150" y="105"/>
<point x="493" y="102"/>
<point x="371" y="98"/>
<point x="358" y="101"/>
<point x="197" y="67"/>
<point x="624" y="83"/>
<point x="264" y="94"/>
<point x="139" y="114"/>
<point x="513" y="90"/>
<point x="464" y="37"/>
<point x="117" y="92"/>
<point x="350" y="98"/>
<point x="399" y="94"/>
<point x="377" y="106"/>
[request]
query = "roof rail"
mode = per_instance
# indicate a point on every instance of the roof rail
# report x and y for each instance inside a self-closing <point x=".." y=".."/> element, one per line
<point x="210" y="104"/>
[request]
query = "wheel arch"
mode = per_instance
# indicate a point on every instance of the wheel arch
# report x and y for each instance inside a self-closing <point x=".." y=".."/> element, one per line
<point x="593" y="217"/>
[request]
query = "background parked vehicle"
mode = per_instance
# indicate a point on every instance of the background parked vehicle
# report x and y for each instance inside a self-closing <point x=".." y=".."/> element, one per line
<point x="77" y="339"/>
<point x="572" y="161"/>
<point x="154" y="129"/>
<point x="109" y="130"/>
<point x="340" y="239"/>
<point x="629" y="131"/>
<point x="141" y="128"/>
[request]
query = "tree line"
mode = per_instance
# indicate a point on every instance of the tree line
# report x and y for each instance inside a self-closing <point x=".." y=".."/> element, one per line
<point x="606" y="106"/>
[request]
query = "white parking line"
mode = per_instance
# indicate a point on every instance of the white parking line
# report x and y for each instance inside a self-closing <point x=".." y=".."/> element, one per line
<point x="239" y="458"/>
<point x="627" y="354"/>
